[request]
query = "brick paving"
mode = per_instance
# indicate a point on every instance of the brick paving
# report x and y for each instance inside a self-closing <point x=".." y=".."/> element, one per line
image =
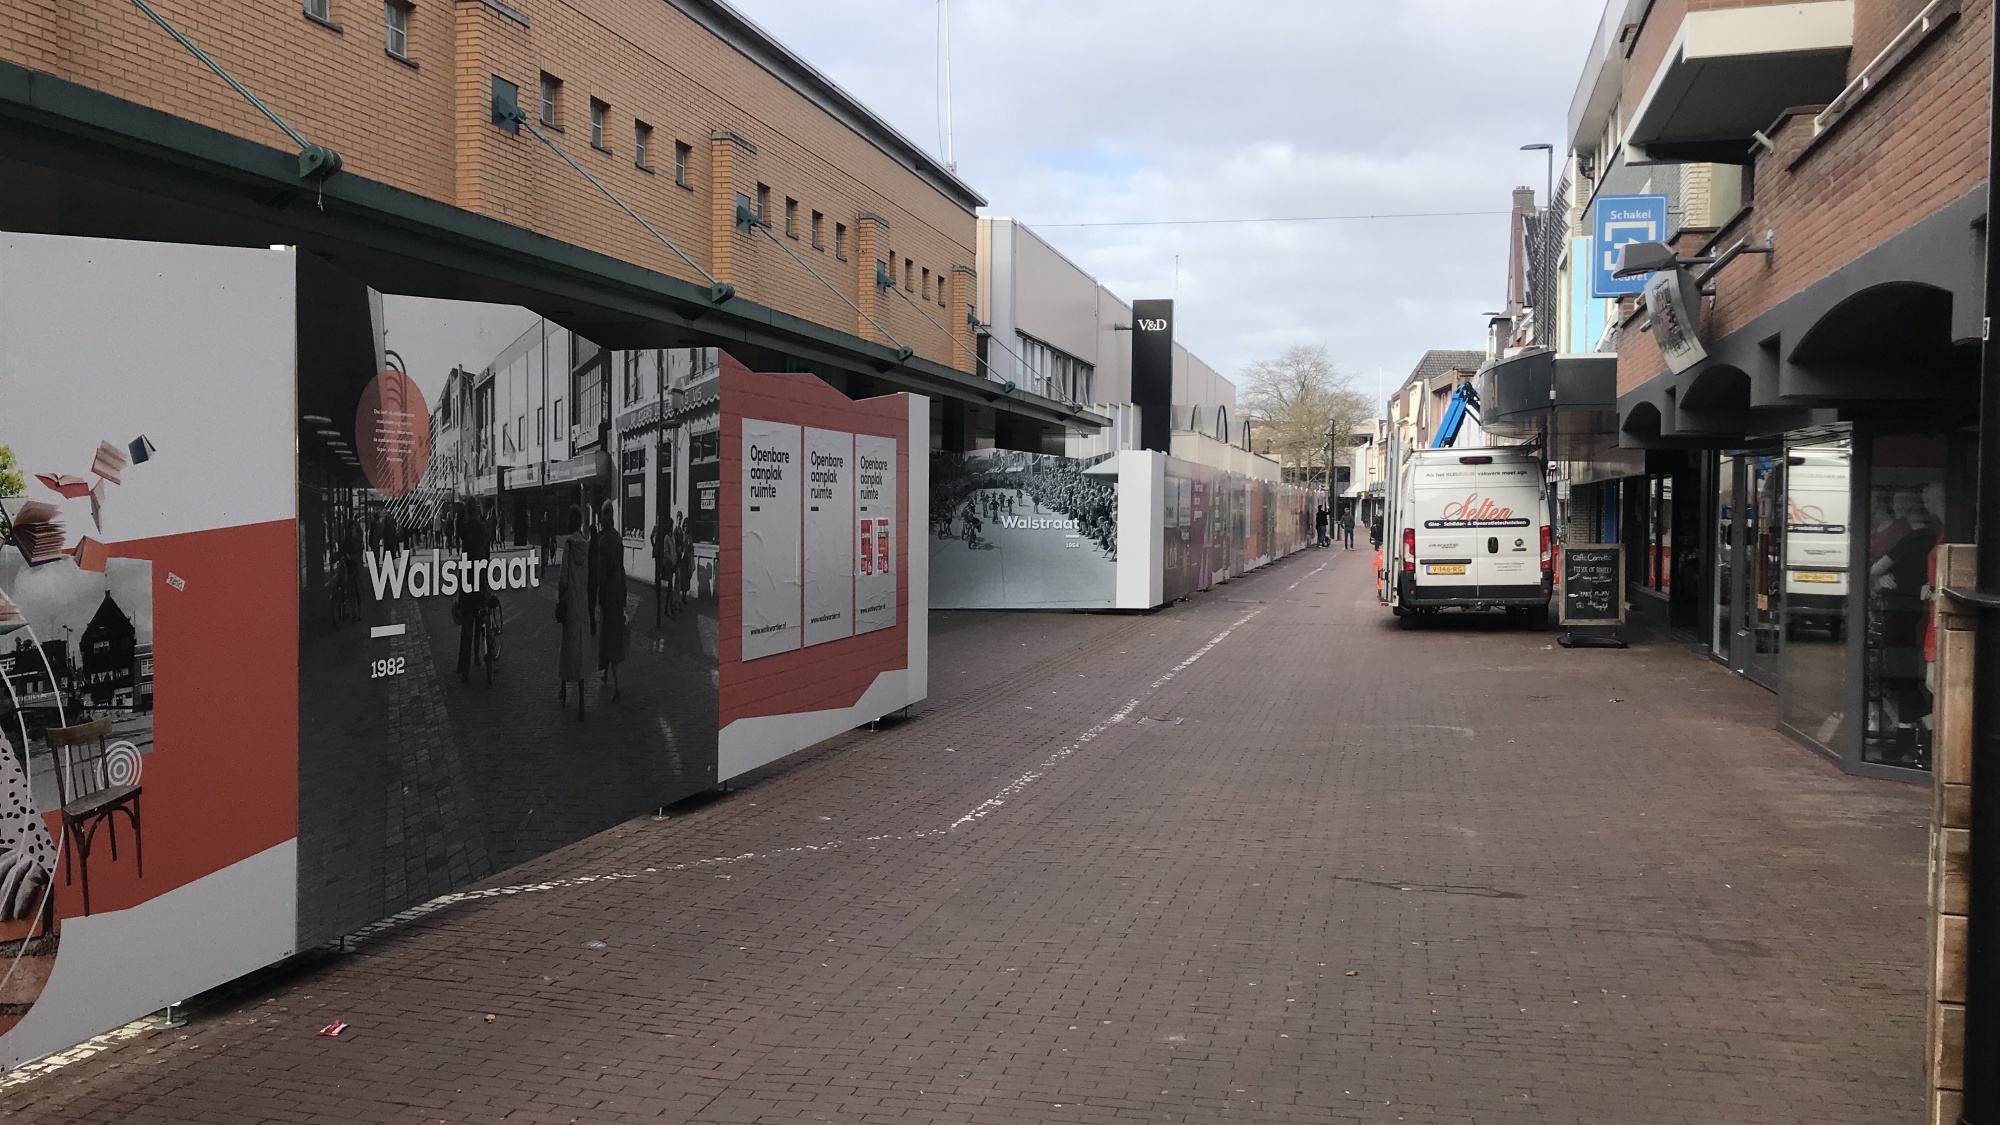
<point x="1569" y="886"/>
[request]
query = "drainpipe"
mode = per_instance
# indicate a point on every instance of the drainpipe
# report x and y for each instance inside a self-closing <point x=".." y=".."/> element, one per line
<point x="1982" y="951"/>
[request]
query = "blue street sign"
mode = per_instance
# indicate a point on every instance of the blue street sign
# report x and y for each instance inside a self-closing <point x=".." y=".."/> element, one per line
<point x="1614" y="221"/>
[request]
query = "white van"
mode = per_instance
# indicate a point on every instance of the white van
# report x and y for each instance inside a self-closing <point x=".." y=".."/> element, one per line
<point x="1469" y="529"/>
<point x="1817" y="539"/>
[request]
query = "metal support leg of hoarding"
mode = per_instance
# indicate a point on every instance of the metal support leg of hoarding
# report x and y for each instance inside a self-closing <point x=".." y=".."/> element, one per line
<point x="1982" y="947"/>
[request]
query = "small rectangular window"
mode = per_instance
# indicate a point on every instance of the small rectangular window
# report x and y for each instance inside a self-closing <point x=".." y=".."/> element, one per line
<point x="744" y="214"/>
<point x="791" y="218"/>
<point x="927" y="283"/>
<point x="551" y="92"/>
<point x="681" y="154"/>
<point x="840" y="241"/>
<point x="941" y="301"/>
<point x="763" y="203"/>
<point x="599" y="115"/>
<point x="396" y="28"/>
<point x="321" y="10"/>
<point x="818" y="228"/>
<point x="642" y="139"/>
<point x="909" y="276"/>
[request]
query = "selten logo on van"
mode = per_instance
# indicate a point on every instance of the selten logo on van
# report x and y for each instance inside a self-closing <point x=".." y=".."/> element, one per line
<point x="1476" y="511"/>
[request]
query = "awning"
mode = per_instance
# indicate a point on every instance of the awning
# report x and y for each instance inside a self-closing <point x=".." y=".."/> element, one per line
<point x="1568" y="402"/>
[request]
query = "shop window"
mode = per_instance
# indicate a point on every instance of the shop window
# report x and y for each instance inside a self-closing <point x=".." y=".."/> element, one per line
<point x="1906" y="522"/>
<point x="632" y="494"/>
<point x="1818" y="546"/>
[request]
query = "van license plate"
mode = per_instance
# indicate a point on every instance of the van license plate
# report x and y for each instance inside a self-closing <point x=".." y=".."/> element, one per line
<point x="1815" y="576"/>
<point x="1446" y="568"/>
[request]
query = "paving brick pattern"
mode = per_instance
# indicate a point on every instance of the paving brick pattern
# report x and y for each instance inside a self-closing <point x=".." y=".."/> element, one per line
<point x="1569" y="886"/>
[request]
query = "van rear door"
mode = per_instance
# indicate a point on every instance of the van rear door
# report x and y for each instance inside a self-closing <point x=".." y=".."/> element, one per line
<point x="1447" y="562"/>
<point x="1489" y="509"/>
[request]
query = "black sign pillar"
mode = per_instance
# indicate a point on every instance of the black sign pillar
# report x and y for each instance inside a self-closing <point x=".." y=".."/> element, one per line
<point x="1153" y="372"/>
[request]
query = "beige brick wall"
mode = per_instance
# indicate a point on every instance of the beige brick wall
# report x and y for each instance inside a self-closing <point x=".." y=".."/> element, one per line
<point x="426" y="128"/>
<point x="1916" y="145"/>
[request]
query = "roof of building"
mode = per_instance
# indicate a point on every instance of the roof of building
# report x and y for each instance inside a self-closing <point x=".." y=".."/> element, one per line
<point x="1437" y="361"/>
<point x="762" y="48"/>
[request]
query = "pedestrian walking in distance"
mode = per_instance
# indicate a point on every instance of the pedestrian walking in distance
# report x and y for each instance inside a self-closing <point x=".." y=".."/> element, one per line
<point x="607" y="596"/>
<point x="572" y="610"/>
<point x="1347" y="528"/>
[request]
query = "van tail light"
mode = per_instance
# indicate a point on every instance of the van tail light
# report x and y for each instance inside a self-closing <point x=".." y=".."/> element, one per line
<point x="1545" y="547"/>
<point x="1410" y="548"/>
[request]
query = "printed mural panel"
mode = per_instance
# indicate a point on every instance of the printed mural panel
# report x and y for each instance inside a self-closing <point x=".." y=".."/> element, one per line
<point x="146" y="580"/>
<point x="1023" y="531"/>
<point x="829" y="538"/>
<point x="772" y="499"/>
<point x="501" y="649"/>
<point x="875" y="575"/>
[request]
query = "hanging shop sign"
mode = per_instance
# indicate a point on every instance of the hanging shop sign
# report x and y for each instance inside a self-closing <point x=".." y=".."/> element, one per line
<point x="1673" y="302"/>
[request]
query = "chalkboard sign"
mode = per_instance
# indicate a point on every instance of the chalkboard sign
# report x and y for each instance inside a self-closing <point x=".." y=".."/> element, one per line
<point x="1593" y="584"/>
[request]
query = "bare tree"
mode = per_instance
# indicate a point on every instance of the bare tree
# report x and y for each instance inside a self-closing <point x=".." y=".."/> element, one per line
<point x="1295" y="399"/>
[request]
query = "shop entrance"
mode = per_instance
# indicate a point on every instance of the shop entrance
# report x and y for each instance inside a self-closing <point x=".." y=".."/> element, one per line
<point x="1746" y="626"/>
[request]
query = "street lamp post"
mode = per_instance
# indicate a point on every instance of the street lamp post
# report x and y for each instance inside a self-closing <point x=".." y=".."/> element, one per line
<point x="1549" y="195"/>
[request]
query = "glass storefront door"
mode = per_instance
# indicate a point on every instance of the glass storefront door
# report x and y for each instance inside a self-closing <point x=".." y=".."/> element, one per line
<point x="1814" y="584"/>
<point x="1722" y="626"/>
<point x="1761" y="600"/>
<point x="1906" y="509"/>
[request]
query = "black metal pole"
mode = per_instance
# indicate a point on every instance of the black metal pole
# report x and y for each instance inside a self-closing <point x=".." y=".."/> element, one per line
<point x="1982" y="949"/>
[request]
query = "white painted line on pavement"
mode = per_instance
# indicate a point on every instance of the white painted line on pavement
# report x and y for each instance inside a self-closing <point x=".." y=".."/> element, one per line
<point x="1015" y="786"/>
<point x="1309" y="574"/>
<point x="109" y="1039"/>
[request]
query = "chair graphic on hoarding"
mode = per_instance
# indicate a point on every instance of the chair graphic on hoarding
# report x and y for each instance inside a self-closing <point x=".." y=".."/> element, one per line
<point x="96" y="779"/>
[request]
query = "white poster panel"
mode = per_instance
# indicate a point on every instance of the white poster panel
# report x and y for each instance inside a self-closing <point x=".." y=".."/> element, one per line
<point x="772" y="468"/>
<point x="829" y="542"/>
<point x="875" y="533"/>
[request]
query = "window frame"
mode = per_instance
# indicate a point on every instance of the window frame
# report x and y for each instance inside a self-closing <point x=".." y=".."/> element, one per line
<point x="682" y="151"/>
<point x="550" y="89"/>
<point x="763" y="204"/>
<point x="642" y="144"/>
<point x="600" y="120"/>
<point x="818" y="228"/>
<point x="391" y="9"/>
<point x="791" y="217"/>
<point x="319" y="11"/>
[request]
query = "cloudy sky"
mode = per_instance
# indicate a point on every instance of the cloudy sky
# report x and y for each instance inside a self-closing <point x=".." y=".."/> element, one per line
<point x="1117" y="110"/>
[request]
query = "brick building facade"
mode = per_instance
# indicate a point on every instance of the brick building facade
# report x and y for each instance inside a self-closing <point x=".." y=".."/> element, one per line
<point x="1790" y="490"/>
<point x="679" y="109"/>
